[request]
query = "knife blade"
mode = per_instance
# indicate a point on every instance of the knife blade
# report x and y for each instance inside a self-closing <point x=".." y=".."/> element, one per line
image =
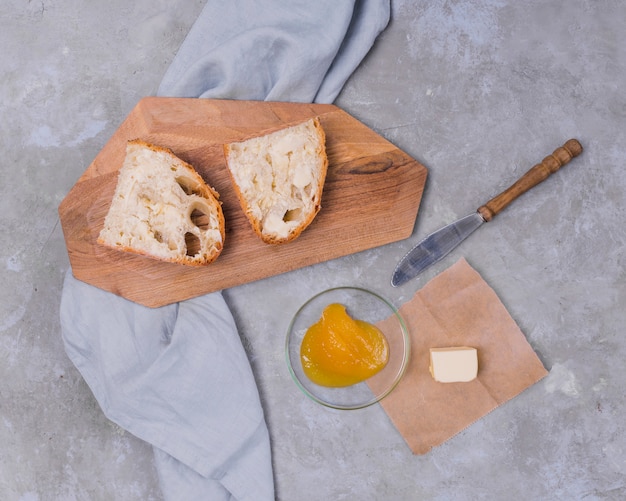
<point x="440" y="243"/>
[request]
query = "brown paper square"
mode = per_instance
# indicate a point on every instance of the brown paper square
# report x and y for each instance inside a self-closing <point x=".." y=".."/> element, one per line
<point x="458" y="308"/>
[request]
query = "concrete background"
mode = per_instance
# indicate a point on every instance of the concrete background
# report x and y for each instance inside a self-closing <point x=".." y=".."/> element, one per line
<point x="478" y="91"/>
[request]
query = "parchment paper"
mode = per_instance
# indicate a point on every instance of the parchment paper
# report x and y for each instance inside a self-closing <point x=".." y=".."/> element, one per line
<point x="458" y="308"/>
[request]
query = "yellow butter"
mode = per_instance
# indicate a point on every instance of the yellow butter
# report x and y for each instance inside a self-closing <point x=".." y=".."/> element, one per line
<point x="454" y="365"/>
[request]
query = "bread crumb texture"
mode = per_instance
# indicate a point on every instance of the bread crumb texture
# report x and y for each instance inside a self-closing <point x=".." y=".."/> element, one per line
<point x="163" y="209"/>
<point x="279" y="178"/>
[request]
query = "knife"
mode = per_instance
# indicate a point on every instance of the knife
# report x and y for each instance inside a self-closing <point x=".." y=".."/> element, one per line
<point x="439" y="244"/>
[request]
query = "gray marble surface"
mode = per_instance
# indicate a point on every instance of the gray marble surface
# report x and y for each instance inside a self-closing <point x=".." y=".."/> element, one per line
<point x="478" y="91"/>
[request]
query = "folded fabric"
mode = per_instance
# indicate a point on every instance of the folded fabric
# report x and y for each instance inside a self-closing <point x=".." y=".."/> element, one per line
<point x="289" y="50"/>
<point x="178" y="376"/>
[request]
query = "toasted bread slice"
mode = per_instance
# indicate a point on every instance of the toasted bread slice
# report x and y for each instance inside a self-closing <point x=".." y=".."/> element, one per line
<point x="279" y="178"/>
<point x="162" y="208"/>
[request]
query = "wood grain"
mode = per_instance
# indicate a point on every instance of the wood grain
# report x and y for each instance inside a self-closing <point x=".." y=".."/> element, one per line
<point x="371" y="197"/>
<point x="537" y="174"/>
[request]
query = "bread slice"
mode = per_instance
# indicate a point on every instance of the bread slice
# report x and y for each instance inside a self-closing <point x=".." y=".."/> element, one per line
<point x="163" y="209"/>
<point x="279" y="178"/>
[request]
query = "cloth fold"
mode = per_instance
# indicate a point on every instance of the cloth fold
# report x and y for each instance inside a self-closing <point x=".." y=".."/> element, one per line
<point x="289" y="50"/>
<point x="178" y="376"/>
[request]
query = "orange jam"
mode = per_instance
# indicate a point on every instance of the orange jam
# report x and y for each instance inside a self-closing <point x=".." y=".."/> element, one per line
<point x="338" y="350"/>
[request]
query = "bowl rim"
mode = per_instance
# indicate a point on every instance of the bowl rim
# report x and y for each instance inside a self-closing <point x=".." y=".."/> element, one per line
<point x="405" y="359"/>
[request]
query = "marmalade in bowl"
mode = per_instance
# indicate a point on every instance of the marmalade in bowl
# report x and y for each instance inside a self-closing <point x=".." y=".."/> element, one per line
<point x="339" y="351"/>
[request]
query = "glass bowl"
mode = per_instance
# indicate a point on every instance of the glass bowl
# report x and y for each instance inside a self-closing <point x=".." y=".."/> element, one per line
<point x="361" y="304"/>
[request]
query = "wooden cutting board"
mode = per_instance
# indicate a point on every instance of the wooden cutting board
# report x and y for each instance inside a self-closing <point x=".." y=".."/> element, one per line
<point x="371" y="197"/>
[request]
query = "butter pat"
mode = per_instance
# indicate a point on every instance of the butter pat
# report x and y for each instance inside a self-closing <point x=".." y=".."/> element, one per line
<point x="454" y="365"/>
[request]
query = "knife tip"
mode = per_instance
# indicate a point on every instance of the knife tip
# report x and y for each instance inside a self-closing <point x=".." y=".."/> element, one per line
<point x="397" y="280"/>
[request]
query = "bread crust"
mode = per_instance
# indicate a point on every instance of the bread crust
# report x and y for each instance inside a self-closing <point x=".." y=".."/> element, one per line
<point x="310" y="214"/>
<point x="200" y="196"/>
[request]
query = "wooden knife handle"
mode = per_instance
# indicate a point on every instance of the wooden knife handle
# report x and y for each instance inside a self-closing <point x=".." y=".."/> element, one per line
<point x="533" y="177"/>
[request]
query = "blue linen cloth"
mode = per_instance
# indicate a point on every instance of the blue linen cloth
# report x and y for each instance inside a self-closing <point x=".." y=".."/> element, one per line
<point x="178" y="376"/>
